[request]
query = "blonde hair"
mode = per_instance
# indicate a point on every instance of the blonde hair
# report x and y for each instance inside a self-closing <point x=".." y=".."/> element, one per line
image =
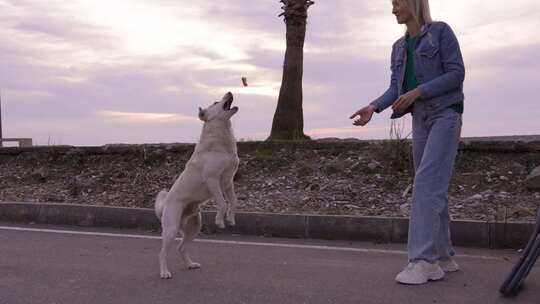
<point x="419" y="10"/>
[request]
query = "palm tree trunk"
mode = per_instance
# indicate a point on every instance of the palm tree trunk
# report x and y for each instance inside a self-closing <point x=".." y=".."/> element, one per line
<point x="288" y="123"/>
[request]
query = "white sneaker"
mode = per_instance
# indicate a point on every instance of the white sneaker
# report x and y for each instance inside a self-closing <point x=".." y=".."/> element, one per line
<point x="420" y="272"/>
<point x="449" y="265"/>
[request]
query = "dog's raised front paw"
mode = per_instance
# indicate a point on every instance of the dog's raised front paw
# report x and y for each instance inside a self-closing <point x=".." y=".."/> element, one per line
<point x="166" y="274"/>
<point x="220" y="223"/>
<point x="231" y="221"/>
<point x="194" y="266"/>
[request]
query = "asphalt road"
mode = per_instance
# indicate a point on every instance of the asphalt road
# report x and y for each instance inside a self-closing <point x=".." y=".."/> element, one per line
<point x="118" y="266"/>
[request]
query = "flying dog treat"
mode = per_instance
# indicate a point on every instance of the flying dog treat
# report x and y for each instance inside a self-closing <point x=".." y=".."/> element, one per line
<point x="244" y="81"/>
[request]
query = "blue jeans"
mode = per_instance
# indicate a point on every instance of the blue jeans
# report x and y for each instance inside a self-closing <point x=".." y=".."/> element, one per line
<point x="436" y="135"/>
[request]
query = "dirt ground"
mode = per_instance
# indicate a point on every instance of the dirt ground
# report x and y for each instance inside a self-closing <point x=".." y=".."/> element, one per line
<point x="323" y="177"/>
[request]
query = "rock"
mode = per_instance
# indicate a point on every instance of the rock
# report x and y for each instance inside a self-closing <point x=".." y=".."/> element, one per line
<point x="475" y="197"/>
<point x="532" y="182"/>
<point x="520" y="211"/>
<point x="487" y="193"/>
<point x="341" y="197"/>
<point x="39" y="175"/>
<point x="313" y="187"/>
<point x="475" y="204"/>
<point x="355" y="166"/>
<point x="504" y="178"/>
<point x="79" y="185"/>
<point x="405" y="209"/>
<point x="333" y="168"/>
<point x="54" y="198"/>
<point x="374" y="165"/>
<point x="407" y="190"/>
<point x="502" y="195"/>
<point x="518" y="168"/>
<point x="304" y="170"/>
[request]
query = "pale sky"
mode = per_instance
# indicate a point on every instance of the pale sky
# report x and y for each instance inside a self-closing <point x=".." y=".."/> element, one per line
<point x="93" y="72"/>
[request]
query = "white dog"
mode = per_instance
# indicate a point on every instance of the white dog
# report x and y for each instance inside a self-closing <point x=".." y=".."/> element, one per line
<point x="208" y="174"/>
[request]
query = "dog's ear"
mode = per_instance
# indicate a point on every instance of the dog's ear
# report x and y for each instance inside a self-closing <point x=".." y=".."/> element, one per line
<point x="202" y="114"/>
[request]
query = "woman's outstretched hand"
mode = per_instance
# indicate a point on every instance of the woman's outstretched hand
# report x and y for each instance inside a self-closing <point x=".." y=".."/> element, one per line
<point x="405" y="100"/>
<point x="364" y="115"/>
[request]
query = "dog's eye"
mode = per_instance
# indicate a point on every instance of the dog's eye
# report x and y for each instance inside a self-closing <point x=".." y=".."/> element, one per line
<point x="216" y="102"/>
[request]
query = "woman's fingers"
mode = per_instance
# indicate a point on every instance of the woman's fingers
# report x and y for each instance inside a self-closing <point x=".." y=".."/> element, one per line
<point x="357" y="113"/>
<point x="360" y="122"/>
<point x="406" y="103"/>
<point x="397" y="103"/>
<point x="405" y="100"/>
<point x="402" y="102"/>
<point x="364" y="116"/>
<point x="360" y="112"/>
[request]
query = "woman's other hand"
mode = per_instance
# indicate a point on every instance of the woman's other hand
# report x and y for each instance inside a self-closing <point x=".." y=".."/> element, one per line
<point x="405" y="100"/>
<point x="364" y="115"/>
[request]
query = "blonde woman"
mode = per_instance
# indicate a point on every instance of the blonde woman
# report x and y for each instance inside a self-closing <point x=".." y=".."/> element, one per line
<point x="427" y="81"/>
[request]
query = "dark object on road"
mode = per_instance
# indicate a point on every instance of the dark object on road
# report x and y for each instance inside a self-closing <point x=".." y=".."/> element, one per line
<point x="513" y="283"/>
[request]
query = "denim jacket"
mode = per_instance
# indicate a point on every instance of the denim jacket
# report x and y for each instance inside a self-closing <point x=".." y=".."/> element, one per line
<point x="438" y="67"/>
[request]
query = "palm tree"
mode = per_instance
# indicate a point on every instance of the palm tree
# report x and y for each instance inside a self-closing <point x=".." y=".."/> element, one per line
<point x="288" y="123"/>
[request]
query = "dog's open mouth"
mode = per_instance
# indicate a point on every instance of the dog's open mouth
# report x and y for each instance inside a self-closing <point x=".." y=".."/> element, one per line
<point x="228" y="103"/>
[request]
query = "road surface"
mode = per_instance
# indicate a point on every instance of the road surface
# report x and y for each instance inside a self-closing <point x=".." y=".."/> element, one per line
<point x="52" y="264"/>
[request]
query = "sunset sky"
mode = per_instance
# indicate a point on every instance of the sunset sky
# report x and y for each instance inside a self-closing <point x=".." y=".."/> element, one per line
<point x="93" y="72"/>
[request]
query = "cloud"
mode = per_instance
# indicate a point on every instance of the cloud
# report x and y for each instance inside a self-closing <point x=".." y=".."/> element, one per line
<point x="130" y="60"/>
<point x="145" y="118"/>
<point x="343" y="132"/>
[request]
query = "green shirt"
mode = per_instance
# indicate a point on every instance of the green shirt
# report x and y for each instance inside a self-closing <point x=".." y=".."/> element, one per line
<point x="410" y="82"/>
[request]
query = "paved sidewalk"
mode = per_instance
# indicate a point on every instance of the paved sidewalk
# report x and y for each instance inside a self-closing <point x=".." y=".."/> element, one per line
<point x="120" y="266"/>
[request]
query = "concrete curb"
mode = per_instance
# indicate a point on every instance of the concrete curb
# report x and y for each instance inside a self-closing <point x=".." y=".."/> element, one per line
<point x="376" y="229"/>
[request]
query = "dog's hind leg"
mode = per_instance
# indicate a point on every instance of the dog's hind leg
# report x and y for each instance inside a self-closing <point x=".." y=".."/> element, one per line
<point x="191" y="227"/>
<point x="160" y="203"/>
<point x="215" y="189"/>
<point x="170" y="221"/>
<point x="232" y="201"/>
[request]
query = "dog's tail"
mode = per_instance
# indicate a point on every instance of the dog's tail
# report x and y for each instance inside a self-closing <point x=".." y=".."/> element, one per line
<point x="160" y="203"/>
